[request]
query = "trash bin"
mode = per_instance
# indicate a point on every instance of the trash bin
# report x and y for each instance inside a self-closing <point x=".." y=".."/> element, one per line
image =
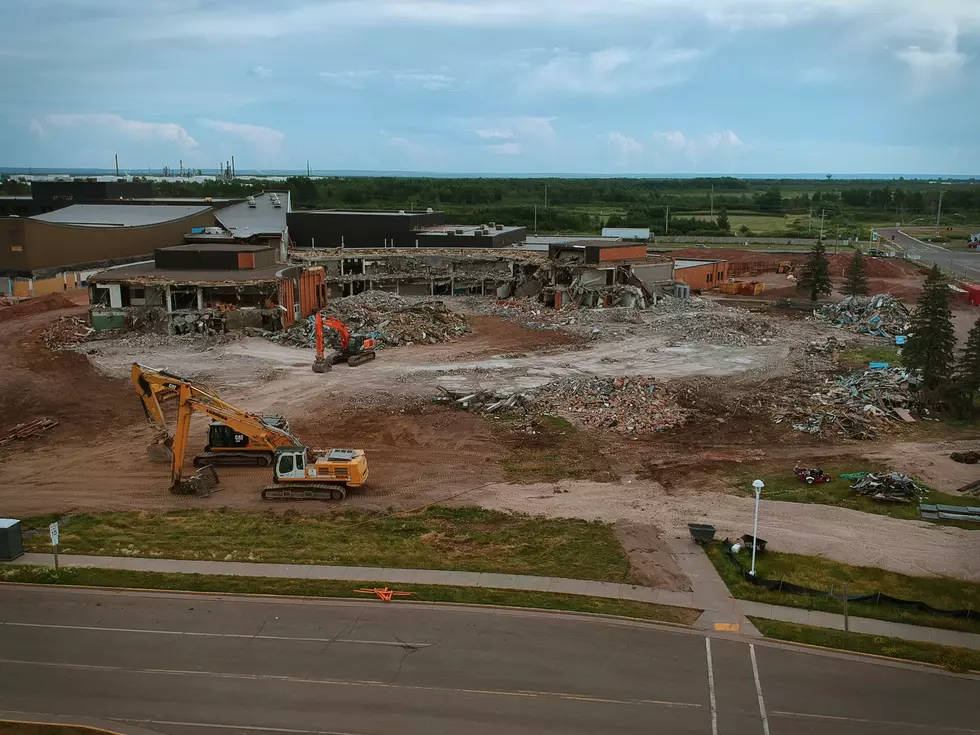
<point x="11" y="543"/>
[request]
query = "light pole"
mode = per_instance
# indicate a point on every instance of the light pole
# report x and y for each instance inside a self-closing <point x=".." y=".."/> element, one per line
<point x="758" y="485"/>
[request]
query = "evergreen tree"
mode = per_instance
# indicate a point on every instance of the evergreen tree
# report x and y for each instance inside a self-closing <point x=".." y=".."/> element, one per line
<point x="857" y="278"/>
<point x="968" y="370"/>
<point x="723" y="223"/>
<point x="816" y="273"/>
<point x="930" y="345"/>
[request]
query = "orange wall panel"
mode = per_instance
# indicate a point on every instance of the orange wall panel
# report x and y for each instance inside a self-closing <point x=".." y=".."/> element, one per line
<point x="246" y="261"/>
<point x="638" y="252"/>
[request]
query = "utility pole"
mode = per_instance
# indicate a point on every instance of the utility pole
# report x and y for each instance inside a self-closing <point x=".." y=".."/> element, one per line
<point x="117" y="165"/>
<point x="939" y="210"/>
<point x="545" y="196"/>
<point x="535" y="219"/>
<point x="667" y="221"/>
<point x="809" y="219"/>
<point x="712" y="201"/>
<point x="822" y="213"/>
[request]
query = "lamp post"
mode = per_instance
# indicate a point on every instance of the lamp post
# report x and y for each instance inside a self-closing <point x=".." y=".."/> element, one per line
<point x="758" y="485"/>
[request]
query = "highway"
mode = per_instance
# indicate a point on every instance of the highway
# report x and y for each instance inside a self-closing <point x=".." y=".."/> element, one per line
<point x="187" y="664"/>
<point x="964" y="263"/>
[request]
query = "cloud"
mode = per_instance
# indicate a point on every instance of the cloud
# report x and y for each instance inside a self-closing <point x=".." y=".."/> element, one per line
<point x="696" y="147"/>
<point x="424" y="79"/>
<point x="613" y="71"/>
<point x="35" y="127"/>
<point x="168" y="132"/>
<point x="491" y="134"/>
<point x="942" y="62"/>
<point x="673" y="138"/>
<point x="264" y="138"/>
<point x="351" y="78"/>
<point x="506" y="149"/>
<point x="726" y="139"/>
<point x="627" y="148"/>
<point x="261" y="72"/>
<point x="407" y="146"/>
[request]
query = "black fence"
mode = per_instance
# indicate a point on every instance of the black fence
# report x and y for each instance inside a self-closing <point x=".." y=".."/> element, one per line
<point x="873" y="598"/>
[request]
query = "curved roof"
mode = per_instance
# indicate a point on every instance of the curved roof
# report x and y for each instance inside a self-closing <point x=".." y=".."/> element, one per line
<point x="118" y="215"/>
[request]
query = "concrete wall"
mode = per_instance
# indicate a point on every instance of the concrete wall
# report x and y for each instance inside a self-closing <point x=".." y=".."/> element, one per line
<point x="654" y="273"/>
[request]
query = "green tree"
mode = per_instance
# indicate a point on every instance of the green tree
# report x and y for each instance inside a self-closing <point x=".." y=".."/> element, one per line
<point x="723" y="223"/>
<point x="968" y="369"/>
<point x="857" y="278"/>
<point x="816" y="273"/>
<point x="931" y="342"/>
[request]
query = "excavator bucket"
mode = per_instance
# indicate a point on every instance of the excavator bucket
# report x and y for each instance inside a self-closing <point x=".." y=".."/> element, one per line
<point x="201" y="483"/>
<point x="321" y="365"/>
<point x="161" y="450"/>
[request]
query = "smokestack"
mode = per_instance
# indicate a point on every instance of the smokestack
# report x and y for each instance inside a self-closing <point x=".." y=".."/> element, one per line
<point x="182" y="167"/>
<point x="232" y="167"/>
<point x="308" y="168"/>
<point x="117" y="165"/>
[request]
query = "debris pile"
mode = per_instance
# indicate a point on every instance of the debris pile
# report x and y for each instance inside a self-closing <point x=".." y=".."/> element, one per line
<point x="827" y="347"/>
<point x="854" y="406"/>
<point x="64" y="332"/>
<point x="29" y="430"/>
<point x="889" y="486"/>
<point x="625" y="405"/>
<point x="699" y="320"/>
<point x="392" y="319"/>
<point x="970" y="457"/>
<point x="882" y="315"/>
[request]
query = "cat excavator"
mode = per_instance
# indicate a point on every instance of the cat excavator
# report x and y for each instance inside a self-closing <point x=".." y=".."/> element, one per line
<point x="239" y="437"/>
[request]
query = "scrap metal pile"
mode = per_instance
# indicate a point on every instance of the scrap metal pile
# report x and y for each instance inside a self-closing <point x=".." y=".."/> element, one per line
<point x="395" y="321"/>
<point x="29" y="430"/>
<point x="889" y="486"/>
<point x="65" y="331"/>
<point x="882" y="315"/>
<point x="625" y="404"/>
<point x="855" y="406"/>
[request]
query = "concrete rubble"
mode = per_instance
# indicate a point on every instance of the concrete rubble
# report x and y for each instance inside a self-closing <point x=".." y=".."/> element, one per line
<point x="882" y="315"/>
<point x="889" y="486"/>
<point x="855" y="406"/>
<point x="64" y="332"/>
<point x="624" y="405"/>
<point x="394" y="320"/>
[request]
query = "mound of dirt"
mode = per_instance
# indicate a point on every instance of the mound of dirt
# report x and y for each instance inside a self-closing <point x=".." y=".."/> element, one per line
<point x="37" y="305"/>
<point x="874" y="267"/>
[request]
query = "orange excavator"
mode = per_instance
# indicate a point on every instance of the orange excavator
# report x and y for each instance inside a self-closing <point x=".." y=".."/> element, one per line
<point x="355" y="349"/>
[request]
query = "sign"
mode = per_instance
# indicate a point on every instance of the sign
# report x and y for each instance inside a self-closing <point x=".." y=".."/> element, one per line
<point x="53" y="530"/>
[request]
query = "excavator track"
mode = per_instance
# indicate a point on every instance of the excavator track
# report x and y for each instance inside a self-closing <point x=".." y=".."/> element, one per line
<point x="230" y="459"/>
<point x="304" y="491"/>
<point x="360" y="358"/>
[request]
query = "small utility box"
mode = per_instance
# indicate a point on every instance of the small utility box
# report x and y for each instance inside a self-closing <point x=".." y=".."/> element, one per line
<point x="11" y="543"/>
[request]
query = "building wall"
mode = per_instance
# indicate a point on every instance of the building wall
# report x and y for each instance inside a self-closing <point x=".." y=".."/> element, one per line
<point x="495" y="239"/>
<point x="634" y="253"/>
<point x="88" y="192"/>
<point x="47" y="245"/>
<point x="324" y="230"/>
<point x="654" y="273"/>
<point x="302" y="292"/>
<point x="703" y="277"/>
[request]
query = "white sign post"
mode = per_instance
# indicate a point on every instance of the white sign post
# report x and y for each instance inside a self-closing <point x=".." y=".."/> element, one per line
<point x="54" y="530"/>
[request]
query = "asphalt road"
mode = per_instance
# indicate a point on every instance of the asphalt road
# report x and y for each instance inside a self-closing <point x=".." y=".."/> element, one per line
<point x="189" y="664"/>
<point x="966" y="264"/>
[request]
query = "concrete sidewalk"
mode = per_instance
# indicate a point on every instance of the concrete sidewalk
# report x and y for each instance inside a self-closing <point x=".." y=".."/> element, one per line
<point x="709" y="593"/>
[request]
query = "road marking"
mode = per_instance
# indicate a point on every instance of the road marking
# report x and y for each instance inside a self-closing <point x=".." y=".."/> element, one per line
<point x="351" y="683"/>
<point x="396" y="644"/>
<point x="236" y="727"/>
<point x="758" y="689"/>
<point x="837" y="718"/>
<point x="711" y="688"/>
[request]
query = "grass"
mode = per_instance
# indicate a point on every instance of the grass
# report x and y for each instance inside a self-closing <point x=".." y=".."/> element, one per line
<point x="818" y="573"/>
<point x="786" y="486"/>
<point x="216" y="583"/>
<point x="464" y="539"/>
<point x="556" y="451"/>
<point x="859" y="357"/>
<point x="949" y="657"/>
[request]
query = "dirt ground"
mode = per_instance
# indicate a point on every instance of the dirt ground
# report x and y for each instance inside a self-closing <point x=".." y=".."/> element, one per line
<point x="421" y="453"/>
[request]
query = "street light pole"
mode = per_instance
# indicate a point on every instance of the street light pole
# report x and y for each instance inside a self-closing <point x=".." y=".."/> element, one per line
<point x="758" y="485"/>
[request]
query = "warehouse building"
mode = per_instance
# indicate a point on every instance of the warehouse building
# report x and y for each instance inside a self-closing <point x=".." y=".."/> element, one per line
<point x="701" y="275"/>
<point x="329" y="229"/>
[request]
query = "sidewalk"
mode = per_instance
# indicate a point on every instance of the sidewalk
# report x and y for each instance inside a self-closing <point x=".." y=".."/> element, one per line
<point x="709" y="593"/>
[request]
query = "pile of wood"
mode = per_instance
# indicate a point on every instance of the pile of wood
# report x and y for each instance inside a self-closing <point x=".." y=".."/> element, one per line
<point x="32" y="429"/>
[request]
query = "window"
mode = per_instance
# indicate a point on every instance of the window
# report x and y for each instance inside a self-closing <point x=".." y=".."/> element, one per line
<point x="708" y="279"/>
<point x="286" y="464"/>
<point x="16" y="248"/>
<point x="139" y="293"/>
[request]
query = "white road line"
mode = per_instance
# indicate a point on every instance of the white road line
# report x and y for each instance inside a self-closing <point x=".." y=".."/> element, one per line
<point x="711" y="688"/>
<point x="236" y="727"/>
<point x="758" y="689"/>
<point x="880" y="723"/>
<point x="396" y="644"/>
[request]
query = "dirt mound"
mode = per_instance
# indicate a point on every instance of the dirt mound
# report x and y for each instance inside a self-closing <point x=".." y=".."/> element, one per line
<point x="36" y="306"/>
<point x="874" y="267"/>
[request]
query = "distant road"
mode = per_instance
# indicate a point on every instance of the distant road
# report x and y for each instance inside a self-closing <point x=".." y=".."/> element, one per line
<point x="184" y="664"/>
<point x="965" y="264"/>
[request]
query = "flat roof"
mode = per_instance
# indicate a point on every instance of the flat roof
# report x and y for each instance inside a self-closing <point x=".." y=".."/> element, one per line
<point x="565" y="239"/>
<point x="582" y="244"/>
<point x="118" y="215"/>
<point x="235" y="247"/>
<point x="467" y="230"/>
<point x="693" y="263"/>
<point x="372" y="212"/>
<point x="264" y="218"/>
<point x="148" y="273"/>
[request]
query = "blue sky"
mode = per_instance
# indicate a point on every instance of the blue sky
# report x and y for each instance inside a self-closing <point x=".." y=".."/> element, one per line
<point x="495" y="86"/>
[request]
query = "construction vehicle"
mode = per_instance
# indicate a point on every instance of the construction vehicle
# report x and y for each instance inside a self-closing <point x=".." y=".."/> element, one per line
<point x="811" y="475"/>
<point x="354" y="349"/>
<point x="299" y="473"/>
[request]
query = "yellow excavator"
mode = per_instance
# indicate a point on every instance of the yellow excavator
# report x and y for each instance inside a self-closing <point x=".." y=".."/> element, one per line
<point x="239" y="437"/>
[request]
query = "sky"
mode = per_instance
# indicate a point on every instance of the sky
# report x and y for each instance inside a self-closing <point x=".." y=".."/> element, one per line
<point x="495" y="86"/>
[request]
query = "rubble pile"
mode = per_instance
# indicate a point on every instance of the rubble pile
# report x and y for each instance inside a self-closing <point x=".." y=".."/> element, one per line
<point x="625" y="404"/>
<point x="882" y="315"/>
<point x="715" y="324"/>
<point x="889" y="486"/>
<point x="393" y="320"/>
<point x="828" y="347"/>
<point x="855" y="405"/>
<point x="64" y="332"/>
